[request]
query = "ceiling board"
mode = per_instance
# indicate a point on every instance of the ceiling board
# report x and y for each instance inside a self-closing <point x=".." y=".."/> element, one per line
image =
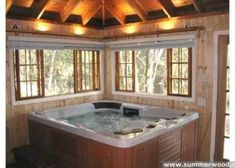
<point x="114" y="11"/>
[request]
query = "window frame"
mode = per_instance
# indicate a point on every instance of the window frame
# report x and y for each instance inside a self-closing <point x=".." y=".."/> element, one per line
<point x="169" y="72"/>
<point x="40" y="77"/>
<point x="191" y="98"/>
<point x="117" y="78"/>
<point x="43" y="98"/>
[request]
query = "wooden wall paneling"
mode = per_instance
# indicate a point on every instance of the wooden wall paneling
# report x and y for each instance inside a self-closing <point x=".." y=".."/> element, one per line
<point x="223" y="42"/>
<point x="8" y="4"/>
<point x="189" y="143"/>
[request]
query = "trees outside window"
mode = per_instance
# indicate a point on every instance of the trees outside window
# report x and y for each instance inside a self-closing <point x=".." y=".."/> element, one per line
<point x="43" y="73"/>
<point x="158" y="71"/>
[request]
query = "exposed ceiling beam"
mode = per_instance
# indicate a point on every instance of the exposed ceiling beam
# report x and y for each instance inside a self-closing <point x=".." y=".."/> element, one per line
<point x="103" y="12"/>
<point x="90" y="12"/>
<point x="138" y="9"/>
<point x="64" y="14"/>
<point x="39" y="8"/>
<point x="198" y="6"/>
<point x="168" y="7"/>
<point x="115" y="12"/>
<point x="8" y="5"/>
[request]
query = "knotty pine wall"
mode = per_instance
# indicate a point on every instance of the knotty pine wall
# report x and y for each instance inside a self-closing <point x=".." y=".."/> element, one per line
<point x="204" y="59"/>
<point x="16" y="120"/>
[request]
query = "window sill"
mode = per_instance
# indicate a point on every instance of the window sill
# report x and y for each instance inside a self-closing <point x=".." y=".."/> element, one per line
<point x="52" y="98"/>
<point x="156" y="96"/>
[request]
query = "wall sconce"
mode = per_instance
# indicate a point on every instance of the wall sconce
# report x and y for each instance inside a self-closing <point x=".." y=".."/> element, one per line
<point x="78" y="30"/>
<point x="130" y="29"/>
<point x="42" y="26"/>
<point x="167" y="25"/>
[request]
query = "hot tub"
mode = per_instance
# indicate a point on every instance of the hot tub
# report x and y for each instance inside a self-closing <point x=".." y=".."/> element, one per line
<point x="114" y="125"/>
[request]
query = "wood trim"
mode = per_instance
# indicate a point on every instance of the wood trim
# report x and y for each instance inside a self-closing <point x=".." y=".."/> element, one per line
<point x="117" y="71"/>
<point x="169" y="71"/>
<point x="177" y="30"/>
<point x="133" y="71"/>
<point x="138" y="9"/>
<point x="168" y="7"/>
<point x="9" y="4"/>
<point x="223" y="41"/>
<point x="17" y="73"/>
<point x="39" y="8"/>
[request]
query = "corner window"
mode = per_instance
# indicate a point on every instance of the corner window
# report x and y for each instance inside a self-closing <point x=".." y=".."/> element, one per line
<point x="43" y="73"/>
<point x="159" y="71"/>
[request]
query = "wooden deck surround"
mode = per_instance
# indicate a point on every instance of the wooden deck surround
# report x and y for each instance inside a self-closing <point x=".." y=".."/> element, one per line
<point x="72" y="151"/>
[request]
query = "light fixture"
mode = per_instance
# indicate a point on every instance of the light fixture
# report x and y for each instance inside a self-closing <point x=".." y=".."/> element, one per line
<point x="79" y="30"/>
<point x="42" y="26"/>
<point x="167" y="25"/>
<point x="130" y="29"/>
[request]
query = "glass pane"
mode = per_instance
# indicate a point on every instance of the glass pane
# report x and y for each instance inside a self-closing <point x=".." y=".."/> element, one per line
<point x="22" y="56"/>
<point x="184" y="70"/>
<point x="228" y="79"/>
<point x="175" y="86"/>
<point x="122" y="83"/>
<point x="33" y="73"/>
<point x="184" y="88"/>
<point x="23" y="73"/>
<point x="228" y="102"/>
<point x="122" y="71"/>
<point x="175" y="70"/>
<point x="228" y="57"/>
<point x="129" y="83"/>
<point x="184" y="54"/>
<point x="129" y="70"/>
<point x="58" y="72"/>
<point x="34" y="88"/>
<point x="226" y="127"/>
<point x="160" y="78"/>
<point x="23" y="89"/>
<point x="33" y="58"/>
<point x="227" y="148"/>
<point x="175" y="55"/>
<point x="129" y="56"/>
<point x="122" y="57"/>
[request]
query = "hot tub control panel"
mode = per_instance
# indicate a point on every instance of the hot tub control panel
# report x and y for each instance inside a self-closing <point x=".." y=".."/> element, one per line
<point x="129" y="112"/>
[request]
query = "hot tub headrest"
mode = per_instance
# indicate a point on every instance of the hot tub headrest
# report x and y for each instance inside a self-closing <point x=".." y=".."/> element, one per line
<point x="112" y="105"/>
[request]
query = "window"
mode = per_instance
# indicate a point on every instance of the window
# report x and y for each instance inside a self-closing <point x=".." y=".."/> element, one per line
<point x="125" y="75"/>
<point x="28" y="74"/>
<point x="87" y="70"/>
<point x="43" y="73"/>
<point x="158" y="71"/>
<point x="58" y="72"/>
<point x="151" y="71"/>
<point x="179" y="71"/>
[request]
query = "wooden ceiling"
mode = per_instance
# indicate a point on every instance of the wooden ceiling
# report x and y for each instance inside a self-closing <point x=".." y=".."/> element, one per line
<point x="103" y="13"/>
